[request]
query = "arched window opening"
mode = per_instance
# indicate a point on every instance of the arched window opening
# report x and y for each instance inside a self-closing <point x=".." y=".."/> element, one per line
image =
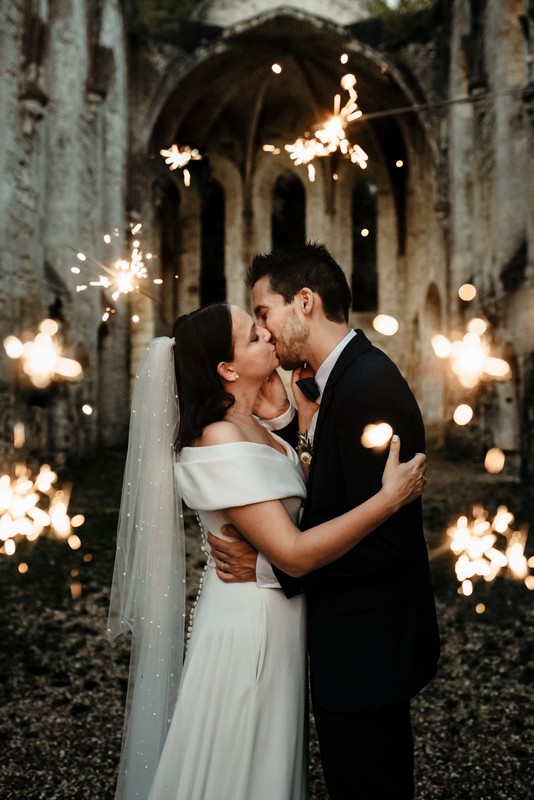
<point x="212" y="277"/>
<point x="168" y="203"/>
<point x="288" y="222"/>
<point x="364" y="271"/>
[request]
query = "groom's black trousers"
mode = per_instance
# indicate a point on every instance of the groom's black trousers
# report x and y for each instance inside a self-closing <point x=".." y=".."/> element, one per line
<point x="367" y="755"/>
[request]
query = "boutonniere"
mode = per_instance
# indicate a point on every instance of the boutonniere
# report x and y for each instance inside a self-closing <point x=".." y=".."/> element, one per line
<point x="304" y="448"/>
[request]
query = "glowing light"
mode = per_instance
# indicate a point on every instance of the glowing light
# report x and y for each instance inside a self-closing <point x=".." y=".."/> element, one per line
<point x="470" y="359"/>
<point x="385" y="324"/>
<point x="485" y="547"/>
<point x="81" y="256"/>
<point x="463" y="414"/>
<point x="477" y="325"/>
<point x="441" y="345"/>
<point x="13" y="347"/>
<point x="77" y="520"/>
<point x="75" y="270"/>
<point x="399" y="163"/>
<point x="311" y="173"/>
<point x="343" y="58"/>
<point x="75" y="590"/>
<point x="187" y="178"/>
<point x="41" y="358"/>
<point x="529" y="582"/>
<point x="364" y="232"/>
<point x="23" y="568"/>
<point x="157" y="281"/>
<point x="276" y="68"/>
<point x="135" y="318"/>
<point x="179" y="156"/>
<point x="376" y="435"/>
<point x="270" y="148"/>
<point x="330" y="135"/>
<point x="74" y="542"/>
<point x="494" y="461"/>
<point x="107" y="238"/>
<point x="87" y="409"/>
<point x="31" y="506"/>
<point x="467" y="292"/>
<point x="480" y="608"/>
<point x="19" y="435"/>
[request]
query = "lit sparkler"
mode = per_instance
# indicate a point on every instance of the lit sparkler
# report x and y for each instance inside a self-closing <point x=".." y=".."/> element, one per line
<point x="31" y="506"/>
<point x="179" y="156"/>
<point x="126" y="276"/>
<point x="330" y="136"/>
<point x="470" y="358"/>
<point x="41" y="357"/>
<point x="485" y="548"/>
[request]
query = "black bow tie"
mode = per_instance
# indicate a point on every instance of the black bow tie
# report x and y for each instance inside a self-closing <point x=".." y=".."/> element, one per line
<point x="309" y="388"/>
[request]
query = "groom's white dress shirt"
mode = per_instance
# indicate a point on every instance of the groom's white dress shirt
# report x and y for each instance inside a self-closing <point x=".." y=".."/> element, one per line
<point x="265" y="577"/>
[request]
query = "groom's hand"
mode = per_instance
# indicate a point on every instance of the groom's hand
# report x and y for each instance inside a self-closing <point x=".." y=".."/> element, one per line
<point x="235" y="561"/>
<point x="272" y="400"/>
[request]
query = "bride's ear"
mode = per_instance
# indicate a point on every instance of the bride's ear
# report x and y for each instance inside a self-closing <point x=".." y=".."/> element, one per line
<point x="227" y="372"/>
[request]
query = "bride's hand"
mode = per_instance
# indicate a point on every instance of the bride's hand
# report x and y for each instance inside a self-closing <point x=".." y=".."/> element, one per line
<point x="404" y="482"/>
<point x="272" y="400"/>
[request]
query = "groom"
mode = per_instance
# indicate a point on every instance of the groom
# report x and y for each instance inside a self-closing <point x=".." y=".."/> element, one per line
<point x="373" y="636"/>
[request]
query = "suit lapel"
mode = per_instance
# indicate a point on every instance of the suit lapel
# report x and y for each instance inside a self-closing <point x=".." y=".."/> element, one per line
<point x="357" y="345"/>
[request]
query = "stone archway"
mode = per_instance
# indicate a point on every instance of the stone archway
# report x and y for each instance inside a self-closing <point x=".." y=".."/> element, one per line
<point x="226" y="101"/>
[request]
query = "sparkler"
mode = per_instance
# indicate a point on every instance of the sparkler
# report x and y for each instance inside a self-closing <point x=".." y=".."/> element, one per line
<point x="470" y="358"/>
<point x="330" y="136"/>
<point x="485" y="548"/>
<point x="31" y="506"/>
<point x="179" y="156"/>
<point x="41" y="356"/>
<point x="126" y="276"/>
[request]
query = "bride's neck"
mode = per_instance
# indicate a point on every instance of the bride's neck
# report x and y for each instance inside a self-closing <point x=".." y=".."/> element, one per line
<point x="245" y="400"/>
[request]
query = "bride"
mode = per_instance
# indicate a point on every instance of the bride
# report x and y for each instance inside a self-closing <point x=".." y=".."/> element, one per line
<point x="230" y="725"/>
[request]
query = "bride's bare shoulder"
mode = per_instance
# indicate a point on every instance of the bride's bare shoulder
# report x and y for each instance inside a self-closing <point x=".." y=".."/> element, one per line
<point x="221" y="432"/>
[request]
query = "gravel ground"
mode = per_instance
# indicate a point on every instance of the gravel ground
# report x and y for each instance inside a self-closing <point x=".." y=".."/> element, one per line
<point x="63" y="686"/>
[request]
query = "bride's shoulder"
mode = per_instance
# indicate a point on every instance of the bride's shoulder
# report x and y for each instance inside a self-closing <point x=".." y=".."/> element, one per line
<point x="222" y="432"/>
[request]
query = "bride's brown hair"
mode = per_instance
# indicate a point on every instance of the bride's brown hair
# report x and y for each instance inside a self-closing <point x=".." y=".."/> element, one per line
<point x="202" y="340"/>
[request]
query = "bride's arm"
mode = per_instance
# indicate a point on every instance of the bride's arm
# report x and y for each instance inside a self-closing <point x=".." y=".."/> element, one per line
<point x="269" y="528"/>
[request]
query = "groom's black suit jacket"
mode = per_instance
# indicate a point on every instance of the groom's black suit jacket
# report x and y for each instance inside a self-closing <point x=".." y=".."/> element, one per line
<point x="372" y="629"/>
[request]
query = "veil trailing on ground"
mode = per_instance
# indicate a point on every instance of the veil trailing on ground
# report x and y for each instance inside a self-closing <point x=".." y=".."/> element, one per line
<point x="148" y="590"/>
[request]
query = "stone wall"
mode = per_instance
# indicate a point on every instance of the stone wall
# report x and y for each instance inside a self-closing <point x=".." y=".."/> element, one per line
<point x="63" y="156"/>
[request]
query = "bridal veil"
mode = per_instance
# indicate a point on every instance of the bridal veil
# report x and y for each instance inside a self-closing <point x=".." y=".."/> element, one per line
<point x="148" y="590"/>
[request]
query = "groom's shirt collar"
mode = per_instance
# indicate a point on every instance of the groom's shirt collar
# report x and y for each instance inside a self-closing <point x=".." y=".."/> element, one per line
<point x="323" y="373"/>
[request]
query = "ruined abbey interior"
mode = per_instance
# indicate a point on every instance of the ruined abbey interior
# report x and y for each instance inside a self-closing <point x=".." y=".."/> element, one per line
<point x="91" y="92"/>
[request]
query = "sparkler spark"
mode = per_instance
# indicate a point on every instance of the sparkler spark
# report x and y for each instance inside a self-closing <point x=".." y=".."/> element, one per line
<point x="179" y="156"/>
<point x="32" y="506"/>
<point x="330" y="136"/>
<point x="484" y="548"/>
<point x="41" y="358"/>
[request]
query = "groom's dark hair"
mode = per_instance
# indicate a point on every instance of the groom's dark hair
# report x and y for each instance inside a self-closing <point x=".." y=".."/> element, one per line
<point x="202" y="340"/>
<point x="308" y="265"/>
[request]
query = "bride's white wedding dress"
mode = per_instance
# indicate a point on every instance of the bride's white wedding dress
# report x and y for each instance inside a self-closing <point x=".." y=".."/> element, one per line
<point x="238" y="730"/>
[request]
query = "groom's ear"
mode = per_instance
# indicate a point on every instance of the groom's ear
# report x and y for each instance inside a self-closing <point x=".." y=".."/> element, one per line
<point x="227" y="372"/>
<point x="306" y="300"/>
